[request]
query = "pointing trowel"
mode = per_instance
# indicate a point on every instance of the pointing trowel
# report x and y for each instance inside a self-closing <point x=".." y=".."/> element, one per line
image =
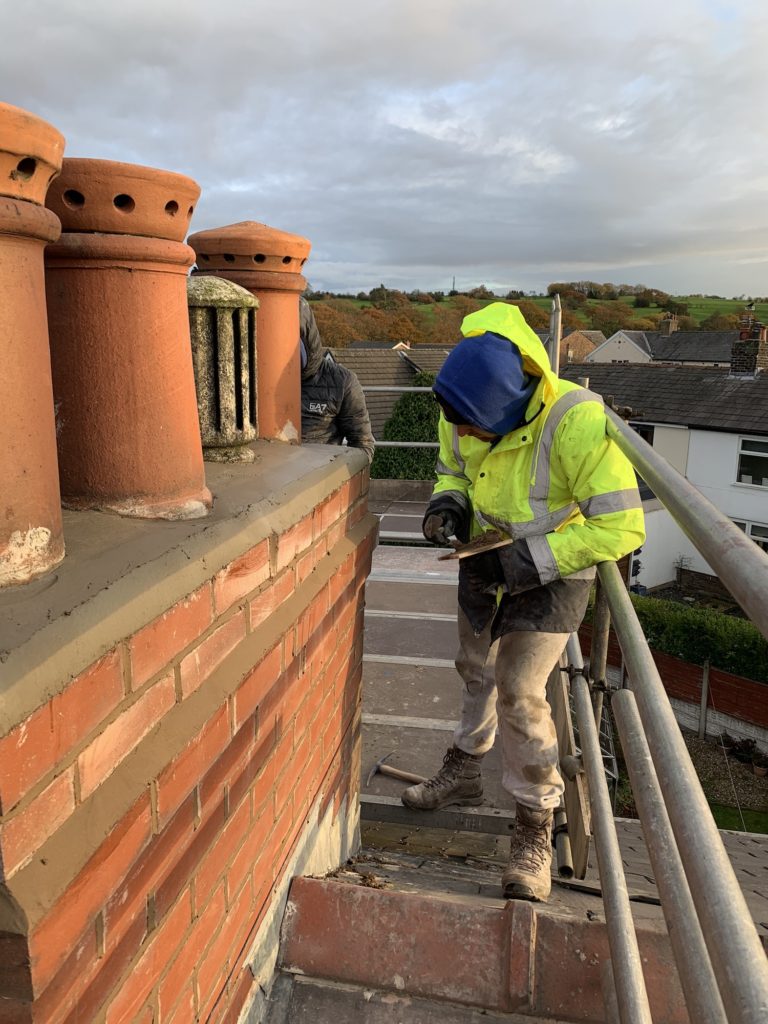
<point x="487" y="542"/>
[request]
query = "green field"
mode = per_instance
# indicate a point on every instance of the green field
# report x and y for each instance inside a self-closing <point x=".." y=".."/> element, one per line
<point x="701" y="308"/>
<point x="730" y="818"/>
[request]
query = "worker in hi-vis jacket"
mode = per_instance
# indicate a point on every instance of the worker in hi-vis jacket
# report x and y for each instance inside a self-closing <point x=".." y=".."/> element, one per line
<point x="525" y="454"/>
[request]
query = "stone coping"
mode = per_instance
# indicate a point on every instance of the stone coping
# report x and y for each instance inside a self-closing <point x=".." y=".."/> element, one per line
<point x="119" y="574"/>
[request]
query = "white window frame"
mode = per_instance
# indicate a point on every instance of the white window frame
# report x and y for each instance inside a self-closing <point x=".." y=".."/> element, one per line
<point x="747" y="527"/>
<point x="759" y="455"/>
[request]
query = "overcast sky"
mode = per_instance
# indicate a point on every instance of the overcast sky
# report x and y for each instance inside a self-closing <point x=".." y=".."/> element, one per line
<point x="506" y="142"/>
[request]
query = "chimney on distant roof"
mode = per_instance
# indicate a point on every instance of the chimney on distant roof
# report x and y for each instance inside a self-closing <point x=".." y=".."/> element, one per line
<point x="749" y="354"/>
<point x="668" y="325"/>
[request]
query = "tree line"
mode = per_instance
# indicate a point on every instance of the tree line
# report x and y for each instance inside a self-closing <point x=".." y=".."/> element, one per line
<point x="388" y="315"/>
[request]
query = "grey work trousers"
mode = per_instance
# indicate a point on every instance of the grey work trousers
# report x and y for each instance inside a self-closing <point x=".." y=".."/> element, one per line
<point x="505" y="684"/>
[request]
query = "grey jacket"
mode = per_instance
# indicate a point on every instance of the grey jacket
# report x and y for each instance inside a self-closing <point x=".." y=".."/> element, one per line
<point x="332" y="401"/>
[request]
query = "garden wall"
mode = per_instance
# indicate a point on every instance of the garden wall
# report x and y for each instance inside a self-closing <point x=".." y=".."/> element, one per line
<point x="744" y="700"/>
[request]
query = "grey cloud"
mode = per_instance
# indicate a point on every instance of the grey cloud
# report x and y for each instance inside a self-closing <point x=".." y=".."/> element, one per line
<point x="506" y="142"/>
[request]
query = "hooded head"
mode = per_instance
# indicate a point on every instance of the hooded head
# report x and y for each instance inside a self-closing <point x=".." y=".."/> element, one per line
<point x="507" y="320"/>
<point x="484" y="383"/>
<point x="309" y="337"/>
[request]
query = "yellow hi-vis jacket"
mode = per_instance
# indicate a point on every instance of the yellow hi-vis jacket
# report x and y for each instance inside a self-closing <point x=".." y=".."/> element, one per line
<point x="558" y="482"/>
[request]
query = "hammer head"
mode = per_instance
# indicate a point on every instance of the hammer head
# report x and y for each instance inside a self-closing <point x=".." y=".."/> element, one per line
<point x="376" y="767"/>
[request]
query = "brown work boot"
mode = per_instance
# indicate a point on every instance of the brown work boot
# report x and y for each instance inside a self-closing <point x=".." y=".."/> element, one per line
<point x="527" y="876"/>
<point x="458" y="782"/>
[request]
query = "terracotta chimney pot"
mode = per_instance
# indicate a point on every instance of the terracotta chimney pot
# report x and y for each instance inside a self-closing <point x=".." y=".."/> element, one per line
<point x="129" y="438"/>
<point x="123" y="199"/>
<point x="31" y="541"/>
<point x="268" y="263"/>
<point x="31" y="151"/>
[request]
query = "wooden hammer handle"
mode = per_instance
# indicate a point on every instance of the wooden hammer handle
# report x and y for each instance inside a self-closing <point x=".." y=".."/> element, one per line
<point x="396" y="773"/>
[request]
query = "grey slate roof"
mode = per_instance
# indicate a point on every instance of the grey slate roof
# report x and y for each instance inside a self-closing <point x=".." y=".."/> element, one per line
<point x="703" y="397"/>
<point x="427" y="358"/>
<point x="639" y="339"/>
<point x="381" y="366"/>
<point x="692" y="346"/>
<point x="596" y="337"/>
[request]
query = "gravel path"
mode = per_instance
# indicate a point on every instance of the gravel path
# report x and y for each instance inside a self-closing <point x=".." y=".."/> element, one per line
<point x="724" y="779"/>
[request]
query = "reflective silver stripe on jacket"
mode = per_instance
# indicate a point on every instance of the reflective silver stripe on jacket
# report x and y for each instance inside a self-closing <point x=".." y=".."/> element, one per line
<point x="546" y="566"/>
<point x="458" y="496"/>
<point x="543" y="520"/>
<point x="611" y="501"/>
<point x="543" y="456"/>
<point x="444" y="470"/>
<point x="543" y="559"/>
<point x="457" y="453"/>
<point x="541" y="524"/>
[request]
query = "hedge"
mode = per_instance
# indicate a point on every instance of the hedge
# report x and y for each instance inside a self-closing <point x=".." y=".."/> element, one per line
<point x="414" y="418"/>
<point x="697" y="635"/>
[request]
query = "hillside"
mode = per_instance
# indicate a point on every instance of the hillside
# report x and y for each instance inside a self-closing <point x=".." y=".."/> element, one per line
<point x="389" y="316"/>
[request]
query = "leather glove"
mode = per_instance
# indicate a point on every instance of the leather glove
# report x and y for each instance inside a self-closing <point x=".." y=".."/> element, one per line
<point x="483" y="571"/>
<point x="438" y="527"/>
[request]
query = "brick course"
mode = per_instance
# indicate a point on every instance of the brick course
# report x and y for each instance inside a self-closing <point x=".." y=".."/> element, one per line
<point x="34" y="748"/>
<point x="153" y="647"/>
<point x="123" y="735"/>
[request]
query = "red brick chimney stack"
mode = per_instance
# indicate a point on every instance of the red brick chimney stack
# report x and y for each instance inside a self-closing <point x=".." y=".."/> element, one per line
<point x="668" y="325"/>
<point x="749" y="354"/>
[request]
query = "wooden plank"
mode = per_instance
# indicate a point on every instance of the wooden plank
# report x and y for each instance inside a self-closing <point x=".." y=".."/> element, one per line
<point x="406" y="722"/>
<point x="400" y="659"/>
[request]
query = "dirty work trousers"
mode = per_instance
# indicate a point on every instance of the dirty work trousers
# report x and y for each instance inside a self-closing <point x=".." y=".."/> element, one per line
<point x="505" y="684"/>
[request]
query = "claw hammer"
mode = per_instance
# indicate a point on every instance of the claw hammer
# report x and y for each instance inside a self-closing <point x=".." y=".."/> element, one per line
<point x="385" y="769"/>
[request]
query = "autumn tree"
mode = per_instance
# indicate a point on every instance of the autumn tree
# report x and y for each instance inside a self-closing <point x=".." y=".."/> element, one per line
<point x="481" y="292"/>
<point x="675" y="307"/>
<point x="571" y="298"/>
<point x="610" y="317"/>
<point x="388" y="298"/>
<point x="643" y="323"/>
<point x="403" y="328"/>
<point x="569" y="321"/>
<point x="335" y="328"/>
<point x="446" y="325"/>
<point x="536" y="318"/>
<point x="687" y="323"/>
<point x="720" y="322"/>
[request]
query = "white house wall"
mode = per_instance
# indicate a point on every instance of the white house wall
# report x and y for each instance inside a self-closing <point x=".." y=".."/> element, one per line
<point x="711" y="459"/>
<point x="712" y="464"/>
<point x="665" y="545"/>
<point x="618" y="350"/>
<point x="673" y="443"/>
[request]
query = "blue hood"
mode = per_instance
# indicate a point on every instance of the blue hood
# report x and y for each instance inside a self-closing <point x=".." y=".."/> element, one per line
<point x="484" y="381"/>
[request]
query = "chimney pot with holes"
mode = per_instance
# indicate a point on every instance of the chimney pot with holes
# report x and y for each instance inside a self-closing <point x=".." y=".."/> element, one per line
<point x="129" y="439"/>
<point x="31" y="536"/>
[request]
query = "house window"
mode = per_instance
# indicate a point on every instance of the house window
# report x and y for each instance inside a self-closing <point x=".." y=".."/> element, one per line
<point x="645" y="430"/>
<point x="757" y="531"/>
<point x="753" y="462"/>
